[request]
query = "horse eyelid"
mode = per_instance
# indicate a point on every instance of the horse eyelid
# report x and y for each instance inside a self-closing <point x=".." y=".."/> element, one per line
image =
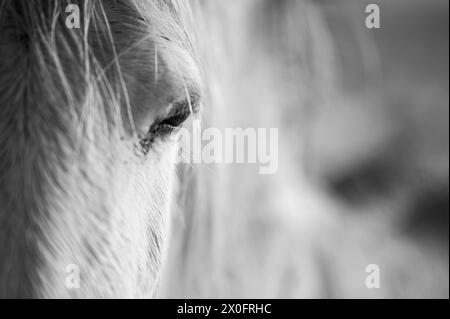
<point x="170" y="123"/>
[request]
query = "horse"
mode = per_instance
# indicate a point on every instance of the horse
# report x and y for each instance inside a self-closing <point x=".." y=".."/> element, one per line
<point x="88" y="120"/>
<point x="93" y="203"/>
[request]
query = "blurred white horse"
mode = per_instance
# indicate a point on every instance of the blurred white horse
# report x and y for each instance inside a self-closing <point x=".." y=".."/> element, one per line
<point x="89" y="124"/>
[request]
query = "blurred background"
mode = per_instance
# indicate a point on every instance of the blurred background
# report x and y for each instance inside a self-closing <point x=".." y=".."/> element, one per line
<point x="363" y="154"/>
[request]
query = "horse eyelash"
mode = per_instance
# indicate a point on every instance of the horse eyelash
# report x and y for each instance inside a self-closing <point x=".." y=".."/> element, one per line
<point x="160" y="129"/>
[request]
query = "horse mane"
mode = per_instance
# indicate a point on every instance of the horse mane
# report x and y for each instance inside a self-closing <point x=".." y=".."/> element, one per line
<point x="222" y="208"/>
<point x="59" y="87"/>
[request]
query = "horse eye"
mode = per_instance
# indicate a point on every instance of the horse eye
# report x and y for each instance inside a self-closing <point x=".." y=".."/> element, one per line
<point x="165" y="125"/>
<point x="178" y="114"/>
